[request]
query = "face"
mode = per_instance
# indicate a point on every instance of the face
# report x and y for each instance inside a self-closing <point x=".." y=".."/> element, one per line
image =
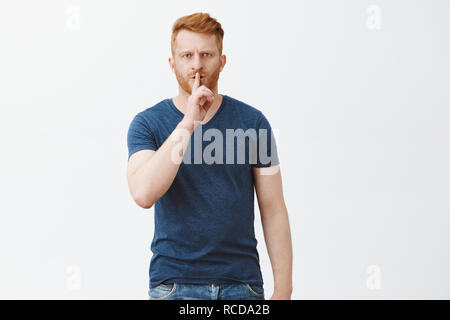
<point x="196" y="52"/>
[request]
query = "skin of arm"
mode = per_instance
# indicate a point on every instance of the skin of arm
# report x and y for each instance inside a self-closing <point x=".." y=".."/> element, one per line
<point x="275" y="223"/>
<point x="150" y="173"/>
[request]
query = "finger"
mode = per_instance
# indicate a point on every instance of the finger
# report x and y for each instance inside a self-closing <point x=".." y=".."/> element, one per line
<point x="209" y="100"/>
<point x="206" y="97"/>
<point x="202" y="98"/>
<point x="196" y="82"/>
<point x="205" y="92"/>
<point x="205" y="88"/>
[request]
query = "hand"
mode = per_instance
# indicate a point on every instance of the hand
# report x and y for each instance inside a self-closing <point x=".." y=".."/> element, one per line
<point x="199" y="101"/>
<point x="280" y="296"/>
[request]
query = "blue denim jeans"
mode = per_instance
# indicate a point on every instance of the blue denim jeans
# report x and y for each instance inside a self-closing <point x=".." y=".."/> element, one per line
<point x="180" y="291"/>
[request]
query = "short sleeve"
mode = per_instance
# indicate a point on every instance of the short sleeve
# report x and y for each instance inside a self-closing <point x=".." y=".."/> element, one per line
<point x="140" y="137"/>
<point x="267" y="153"/>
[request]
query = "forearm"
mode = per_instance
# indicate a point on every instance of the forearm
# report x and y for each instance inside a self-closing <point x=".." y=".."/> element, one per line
<point x="155" y="176"/>
<point x="275" y="222"/>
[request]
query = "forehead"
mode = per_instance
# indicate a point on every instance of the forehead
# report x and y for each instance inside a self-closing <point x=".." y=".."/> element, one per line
<point x="188" y="40"/>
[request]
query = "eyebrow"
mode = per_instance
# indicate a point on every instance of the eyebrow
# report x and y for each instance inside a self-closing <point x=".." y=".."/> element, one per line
<point x="203" y="50"/>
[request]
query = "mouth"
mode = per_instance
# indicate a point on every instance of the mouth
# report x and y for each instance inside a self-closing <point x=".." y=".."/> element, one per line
<point x="201" y="77"/>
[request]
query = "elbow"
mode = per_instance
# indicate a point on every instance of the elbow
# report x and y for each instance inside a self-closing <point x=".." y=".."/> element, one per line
<point x="144" y="202"/>
<point x="145" y="205"/>
<point x="144" y="196"/>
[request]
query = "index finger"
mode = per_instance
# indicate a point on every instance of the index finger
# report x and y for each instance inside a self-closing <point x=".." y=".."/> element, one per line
<point x="196" y="82"/>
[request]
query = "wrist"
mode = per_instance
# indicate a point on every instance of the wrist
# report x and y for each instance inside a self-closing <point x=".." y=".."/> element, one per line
<point x="187" y="124"/>
<point x="281" y="294"/>
<point x="285" y="290"/>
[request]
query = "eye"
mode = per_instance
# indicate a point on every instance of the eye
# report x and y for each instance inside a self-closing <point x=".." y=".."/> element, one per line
<point x="184" y="55"/>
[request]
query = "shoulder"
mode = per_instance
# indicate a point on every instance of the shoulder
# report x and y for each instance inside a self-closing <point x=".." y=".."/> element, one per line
<point x="151" y="116"/>
<point x="243" y="109"/>
<point x="157" y="110"/>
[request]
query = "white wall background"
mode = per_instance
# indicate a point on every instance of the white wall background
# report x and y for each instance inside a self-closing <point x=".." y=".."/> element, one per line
<point x="358" y="91"/>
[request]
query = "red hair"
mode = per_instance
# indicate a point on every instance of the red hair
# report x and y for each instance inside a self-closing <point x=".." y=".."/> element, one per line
<point x="198" y="22"/>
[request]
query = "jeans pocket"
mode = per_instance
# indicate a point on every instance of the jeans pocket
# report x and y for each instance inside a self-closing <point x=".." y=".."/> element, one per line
<point x="256" y="289"/>
<point x="162" y="291"/>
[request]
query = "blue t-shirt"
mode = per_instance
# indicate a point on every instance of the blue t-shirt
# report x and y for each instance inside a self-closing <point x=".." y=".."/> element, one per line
<point x="204" y="223"/>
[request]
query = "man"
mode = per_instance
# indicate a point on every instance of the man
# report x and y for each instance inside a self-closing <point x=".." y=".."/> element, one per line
<point x="204" y="245"/>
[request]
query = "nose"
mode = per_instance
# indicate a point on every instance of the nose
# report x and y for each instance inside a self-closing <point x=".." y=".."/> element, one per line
<point x="197" y="63"/>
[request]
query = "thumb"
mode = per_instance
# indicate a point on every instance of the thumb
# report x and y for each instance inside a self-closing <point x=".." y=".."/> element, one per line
<point x="196" y="82"/>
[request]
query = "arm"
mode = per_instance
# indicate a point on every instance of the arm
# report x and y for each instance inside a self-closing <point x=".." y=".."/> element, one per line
<point x="150" y="173"/>
<point x="275" y="222"/>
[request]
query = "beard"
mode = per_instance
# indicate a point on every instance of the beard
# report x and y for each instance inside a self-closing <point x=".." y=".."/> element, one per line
<point x="210" y="80"/>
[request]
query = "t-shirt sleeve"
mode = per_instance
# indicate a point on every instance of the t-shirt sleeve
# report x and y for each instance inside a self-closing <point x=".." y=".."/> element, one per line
<point x="267" y="153"/>
<point x="140" y="136"/>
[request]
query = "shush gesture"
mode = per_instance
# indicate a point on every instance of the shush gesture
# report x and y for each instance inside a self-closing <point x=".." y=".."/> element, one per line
<point x="199" y="101"/>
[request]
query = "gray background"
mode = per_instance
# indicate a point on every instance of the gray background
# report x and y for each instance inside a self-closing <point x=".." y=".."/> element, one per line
<point x="358" y="92"/>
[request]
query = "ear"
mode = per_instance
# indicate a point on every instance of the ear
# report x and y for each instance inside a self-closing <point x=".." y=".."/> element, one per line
<point x="171" y="64"/>
<point x="223" y="61"/>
